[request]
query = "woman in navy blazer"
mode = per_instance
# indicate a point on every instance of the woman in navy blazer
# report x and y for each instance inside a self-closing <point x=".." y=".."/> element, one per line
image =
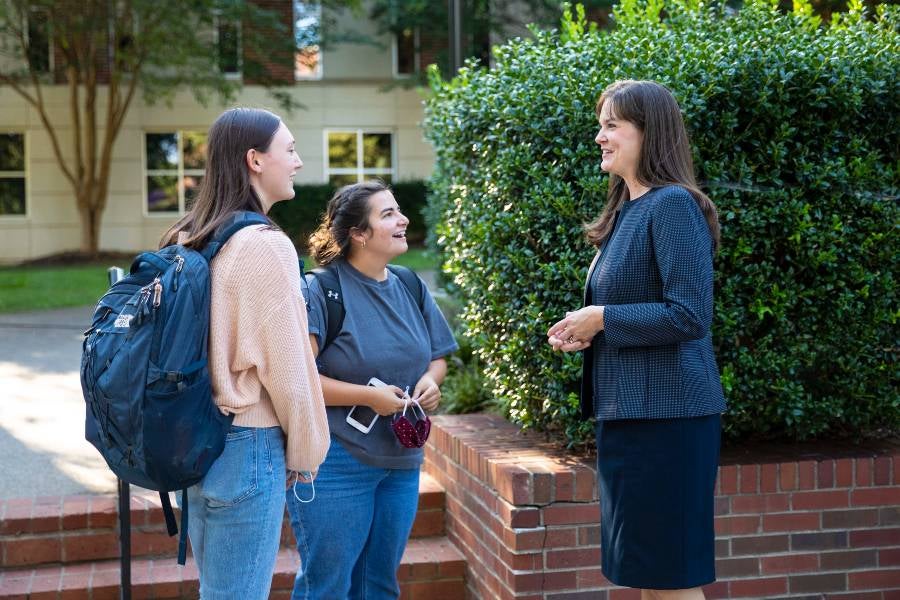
<point x="650" y="376"/>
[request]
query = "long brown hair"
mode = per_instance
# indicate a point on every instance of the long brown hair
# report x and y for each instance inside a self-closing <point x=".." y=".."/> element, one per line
<point x="226" y="184"/>
<point x="665" y="155"/>
<point x="348" y="209"/>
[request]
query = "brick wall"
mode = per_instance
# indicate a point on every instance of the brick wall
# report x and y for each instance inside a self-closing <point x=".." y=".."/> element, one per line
<point x="526" y="517"/>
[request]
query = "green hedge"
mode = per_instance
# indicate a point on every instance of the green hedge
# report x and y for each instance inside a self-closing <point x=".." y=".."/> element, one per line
<point x="795" y="126"/>
<point x="300" y="217"/>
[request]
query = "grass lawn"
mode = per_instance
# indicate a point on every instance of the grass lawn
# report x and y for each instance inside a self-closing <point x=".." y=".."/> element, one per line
<point x="35" y="288"/>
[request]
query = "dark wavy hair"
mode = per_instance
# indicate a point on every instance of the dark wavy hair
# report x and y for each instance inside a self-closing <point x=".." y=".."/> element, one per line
<point x="348" y="209"/>
<point x="226" y="184"/>
<point x="665" y="157"/>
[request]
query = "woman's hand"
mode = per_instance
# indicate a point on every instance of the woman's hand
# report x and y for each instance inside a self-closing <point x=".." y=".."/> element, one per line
<point x="427" y="392"/>
<point x="386" y="400"/>
<point x="576" y="331"/>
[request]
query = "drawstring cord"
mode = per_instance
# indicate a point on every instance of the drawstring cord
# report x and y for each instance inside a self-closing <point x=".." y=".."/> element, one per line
<point x="312" y="482"/>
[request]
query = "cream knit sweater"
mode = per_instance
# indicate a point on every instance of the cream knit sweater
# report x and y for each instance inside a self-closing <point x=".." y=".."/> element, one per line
<point x="260" y="359"/>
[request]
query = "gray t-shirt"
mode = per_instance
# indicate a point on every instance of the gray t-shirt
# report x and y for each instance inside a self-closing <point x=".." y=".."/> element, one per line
<point x="384" y="335"/>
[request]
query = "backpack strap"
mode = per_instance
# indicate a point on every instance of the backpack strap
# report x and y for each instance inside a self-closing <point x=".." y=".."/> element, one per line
<point x="412" y="283"/>
<point x="334" y="301"/>
<point x="235" y="223"/>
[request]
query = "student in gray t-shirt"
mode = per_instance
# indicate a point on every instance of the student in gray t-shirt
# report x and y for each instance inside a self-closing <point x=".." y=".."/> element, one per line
<point x="351" y="537"/>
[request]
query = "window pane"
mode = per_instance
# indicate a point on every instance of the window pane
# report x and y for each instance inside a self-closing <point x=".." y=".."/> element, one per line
<point x="342" y="150"/>
<point x="229" y="47"/>
<point x="12" y="196"/>
<point x="12" y="152"/>
<point x="39" y="41"/>
<point x="406" y="52"/>
<point x="337" y="181"/>
<point x="162" y="151"/>
<point x="194" y="149"/>
<point x="191" y="185"/>
<point x="377" y="150"/>
<point x="162" y="193"/>
<point x="307" y="21"/>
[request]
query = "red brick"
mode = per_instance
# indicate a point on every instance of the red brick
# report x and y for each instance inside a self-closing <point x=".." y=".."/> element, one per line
<point x="591" y="578"/>
<point x="825" y="472"/>
<point x="820" y="500"/>
<point x="558" y="537"/>
<point x="789" y="563"/>
<point x="577" y="557"/>
<point x="895" y="469"/>
<point x="879" y="496"/>
<point x="589" y="535"/>
<point x="758" y="588"/>
<point x="31" y="551"/>
<point x="882" y="470"/>
<point x="737" y="567"/>
<point x="585" y="484"/>
<point x="889" y="557"/>
<point x="874" y="580"/>
<point x="513" y="483"/>
<point x="749" y="479"/>
<point x="728" y="480"/>
<point x="843" y="472"/>
<point x="867" y="538"/>
<point x="843" y="561"/>
<point x="760" y="503"/>
<point x="103" y="512"/>
<point x="624" y="594"/>
<point x="716" y="590"/>
<point x="787" y="476"/>
<point x="75" y="512"/>
<point x="740" y="525"/>
<point x="791" y="522"/>
<point x="825" y="540"/>
<point x="592" y="595"/>
<point x="806" y="475"/>
<point x="756" y="545"/>
<point x="864" y="471"/>
<point x="889" y="515"/>
<point x="768" y="478"/>
<point x="828" y="582"/>
<point x="850" y="519"/>
<point x="90" y="547"/>
<point x="723" y="548"/>
<point x="562" y="513"/>
<point x="722" y="505"/>
<point x="565" y="486"/>
<point x="856" y="596"/>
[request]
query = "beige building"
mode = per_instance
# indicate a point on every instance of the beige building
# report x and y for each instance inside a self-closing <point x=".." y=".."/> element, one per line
<point x="351" y="128"/>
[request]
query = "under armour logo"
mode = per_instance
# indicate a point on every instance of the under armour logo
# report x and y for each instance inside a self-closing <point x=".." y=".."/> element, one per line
<point x="333" y="295"/>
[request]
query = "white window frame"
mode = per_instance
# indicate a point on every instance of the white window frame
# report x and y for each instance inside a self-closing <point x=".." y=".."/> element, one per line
<point x="19" y="175"/>
<point x="319" y="70"/>
<point x="50" y="60"/>
<point x="395" y="56"/>
<point x="240" y="47"/>
<point x="179" y="172"/>
<point x="360" y="171"/>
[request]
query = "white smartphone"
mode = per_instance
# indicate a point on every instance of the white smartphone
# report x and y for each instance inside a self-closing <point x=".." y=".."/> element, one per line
<point x="362" y="417"/>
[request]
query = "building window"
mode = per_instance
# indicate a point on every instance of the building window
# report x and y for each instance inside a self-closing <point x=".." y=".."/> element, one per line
<point x="12" y="174"/>
<point x="39" y="52"/>
<point x="174" y="163"/>
<point x="307" y="24"/>
<point x="228" y="43"/>
<point x="353" y="156"/>
<point x="406" y="53"/>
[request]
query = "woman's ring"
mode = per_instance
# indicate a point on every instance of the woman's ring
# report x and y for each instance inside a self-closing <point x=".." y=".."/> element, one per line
<point x="570" y="340"/>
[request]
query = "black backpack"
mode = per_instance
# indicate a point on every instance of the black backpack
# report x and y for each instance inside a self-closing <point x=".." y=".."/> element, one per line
<point x="331" y="283"/>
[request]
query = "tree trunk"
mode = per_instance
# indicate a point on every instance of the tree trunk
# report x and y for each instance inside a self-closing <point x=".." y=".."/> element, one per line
<point x="90" y="227"/>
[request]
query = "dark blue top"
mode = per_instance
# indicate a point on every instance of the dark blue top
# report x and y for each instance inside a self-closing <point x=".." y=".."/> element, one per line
<point x="654" y="276"/>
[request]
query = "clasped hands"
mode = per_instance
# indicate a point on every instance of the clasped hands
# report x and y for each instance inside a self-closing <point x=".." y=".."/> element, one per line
<point x="575" y="332"/>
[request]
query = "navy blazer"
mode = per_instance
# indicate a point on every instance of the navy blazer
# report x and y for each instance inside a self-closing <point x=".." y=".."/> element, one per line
<point x="654" y="276"/>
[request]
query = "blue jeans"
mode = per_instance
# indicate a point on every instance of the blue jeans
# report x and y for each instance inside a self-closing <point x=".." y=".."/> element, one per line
<point x="235" y="515"/>
<point x="352" y="536"/>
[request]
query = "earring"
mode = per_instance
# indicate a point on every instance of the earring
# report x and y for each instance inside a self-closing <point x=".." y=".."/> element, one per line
<point x="364" y="243"/>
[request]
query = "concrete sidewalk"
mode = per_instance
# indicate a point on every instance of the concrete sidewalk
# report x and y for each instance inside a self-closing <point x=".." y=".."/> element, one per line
<point x="42" y="447"/>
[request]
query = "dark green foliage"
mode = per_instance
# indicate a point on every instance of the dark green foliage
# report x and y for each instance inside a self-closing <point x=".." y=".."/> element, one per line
<point x="795" y="128"/>
<point x="300" y="217"/>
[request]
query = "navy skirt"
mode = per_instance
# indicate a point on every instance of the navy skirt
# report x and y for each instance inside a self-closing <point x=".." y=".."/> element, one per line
<point x="657" y="484"/>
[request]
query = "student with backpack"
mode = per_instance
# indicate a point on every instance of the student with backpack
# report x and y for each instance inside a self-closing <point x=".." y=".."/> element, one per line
<point x="260" y="361"/>
<point x="380" y="342"/>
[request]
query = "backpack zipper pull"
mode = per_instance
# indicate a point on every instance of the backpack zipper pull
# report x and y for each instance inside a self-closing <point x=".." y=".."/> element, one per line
<point x="157" y="293"/>
<point x="179" y="265"/>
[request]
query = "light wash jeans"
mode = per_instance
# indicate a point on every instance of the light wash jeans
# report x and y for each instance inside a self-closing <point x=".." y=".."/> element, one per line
<point x="352" y="536"/>
<point x="235" y="515"/>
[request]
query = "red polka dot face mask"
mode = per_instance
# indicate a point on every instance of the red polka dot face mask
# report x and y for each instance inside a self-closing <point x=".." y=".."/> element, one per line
<point x="412" y="435"/>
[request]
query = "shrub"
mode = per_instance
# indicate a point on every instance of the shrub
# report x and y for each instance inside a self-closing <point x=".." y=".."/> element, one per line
<point x="300" y="217"/>
<point x="795" y="132"/>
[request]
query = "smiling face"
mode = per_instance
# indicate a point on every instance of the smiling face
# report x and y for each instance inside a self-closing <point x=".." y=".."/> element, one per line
<point x="273" y="171"/>
<point x="620" y="144"/>
<point x="386" y="235"/>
